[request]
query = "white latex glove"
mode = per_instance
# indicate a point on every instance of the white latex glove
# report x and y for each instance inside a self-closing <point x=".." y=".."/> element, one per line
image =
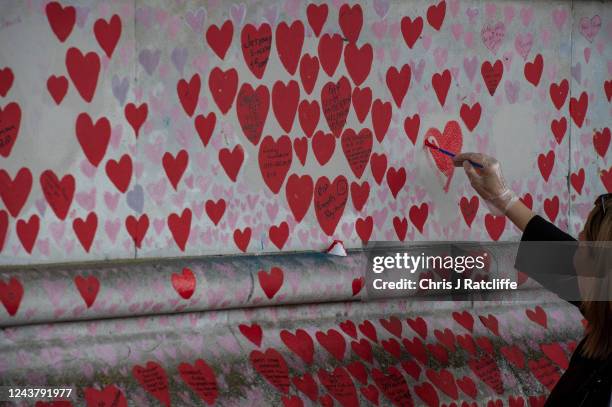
<point x="488" y="181"/>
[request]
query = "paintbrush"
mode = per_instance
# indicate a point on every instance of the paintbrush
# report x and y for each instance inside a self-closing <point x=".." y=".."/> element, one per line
<point x="448" y="153"/>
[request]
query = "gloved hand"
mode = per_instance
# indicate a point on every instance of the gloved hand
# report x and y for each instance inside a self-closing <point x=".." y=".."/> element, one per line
<point x="488" y="181"/>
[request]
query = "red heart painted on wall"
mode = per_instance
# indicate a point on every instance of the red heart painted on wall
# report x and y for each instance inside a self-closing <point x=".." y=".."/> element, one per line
<point x="15" y="192"/>
<point x="242" y="238"/>
<point x="189" y="92"/>
<point x="396" y="179"/>
<point x="357" y="148"/>
<point x="175" y="166"/>
<point x="450" y="140"/>
<point x="317" y="15"/>
<point x="394" y="386"/>
<point x="340" y="386"/>
<point x="275" y="160"/>
<point x="436" y="14"/>
<point x="252" y="332"/>
<point x="271" y="281"/>
<point x="93" y="138"/>
<point x="85" y="230"/>
<point x="299" y="192"/>
<point x="273" y="367"/>
<point x="330" y="51"/>
<point x="83" y="71"/>
<point x="256" y="44"/>
<point x="110" y="395"/>
<point x="215" y="210"/>
<point x="120" y="172"/>
<point x="578" y="108"/>
<point x="58" y="193"/>
<point x="4" y="223"/>
<point x="398" y="82"/>
<point x="88" y="287"/>
<point x="299" y="343"/>
<point x="185" y="283"/>
<point x="358" y="62"/>
<point x="279" y="235"/>
<point x="381" y="118"/>
<point x="252" y="107"/>
<point x="492" y="74"/>
<point x="350" y="19"/>
<point x="61" y="19"/>
<point x="306" y="385"/>
<point x="6" y="80"/>
<point x="359" y="194"/>
<point x="309" y="113"/>
<point x="333" y="342"/>
<point x="205" y="125"/>
<point x="285" y="100"/>
<point x="57" y="87"/>
<point x="108" y="33"/>
<point x="470" y="115"/>
<point x="154" y="380"/>
<point x="469" y="209"/>
<point x="231" y="161"/>
<point x="136" y="116"/>
<point x="601" y="141"/>
<point x="336" y="102"/>
<point x="329" y="202"/>
<point x="411" y="30"/>
<point x="558" y="93"/>
<point x="533" y="70"/>
<point x="223" y="86"/>
<point x="289" y="42"/>
<point x="362" y="100"/>
<point x="10" y="120"/>
<point x="137" y="228"/>
<point x="11" y="294"/>
<point x="219" y="39"/>
<point x="309" y="71"/>
<point x="441" y="84"/>
<point x="180" y="227"/>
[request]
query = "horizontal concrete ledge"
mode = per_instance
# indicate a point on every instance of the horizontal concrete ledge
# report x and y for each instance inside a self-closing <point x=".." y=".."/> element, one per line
<point x="85" y="291"/>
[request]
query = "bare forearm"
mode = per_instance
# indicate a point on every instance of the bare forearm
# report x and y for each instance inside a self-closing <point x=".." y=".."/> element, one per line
<point x="520" y="214"/>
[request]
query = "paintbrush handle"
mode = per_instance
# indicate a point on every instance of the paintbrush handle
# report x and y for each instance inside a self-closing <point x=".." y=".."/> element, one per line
<point x="450" y="154"/>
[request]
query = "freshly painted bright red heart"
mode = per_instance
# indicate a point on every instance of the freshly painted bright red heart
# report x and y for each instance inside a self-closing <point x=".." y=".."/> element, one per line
<point x="184" y="283"/>
<point x="450" y="140"/>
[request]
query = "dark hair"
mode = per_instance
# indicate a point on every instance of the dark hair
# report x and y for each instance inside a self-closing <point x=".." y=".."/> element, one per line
<point x="598" y="341"/>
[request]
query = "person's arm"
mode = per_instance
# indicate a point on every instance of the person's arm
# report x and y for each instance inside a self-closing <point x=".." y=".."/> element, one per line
<point x="550" y="264"/>
<point x="520" y="214"/>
